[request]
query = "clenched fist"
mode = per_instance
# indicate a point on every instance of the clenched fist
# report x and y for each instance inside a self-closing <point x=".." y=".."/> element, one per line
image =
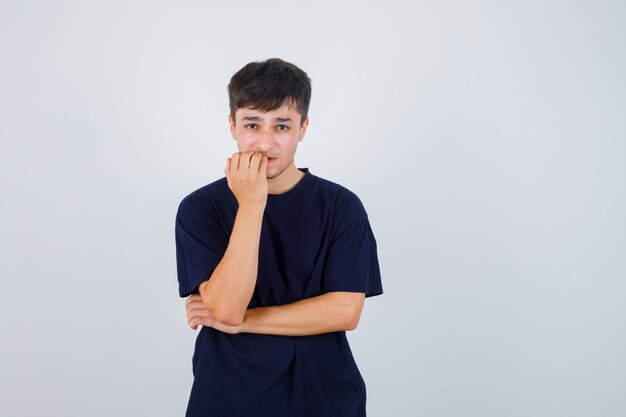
<point x="246" y="173"/>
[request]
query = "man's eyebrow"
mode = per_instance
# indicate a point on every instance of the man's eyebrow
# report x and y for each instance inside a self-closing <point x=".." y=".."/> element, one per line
<point x="260" y="119"/>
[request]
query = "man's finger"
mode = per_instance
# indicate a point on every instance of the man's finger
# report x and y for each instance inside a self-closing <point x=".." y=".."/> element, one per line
<point x="199" y="312"/>
<point x="263" y="165"/>
<point x="246" y="157"/>
<point x="193" y="325"/>
<point x="255" y="158"/>
<point x="193" y="298"/>
<point x="235" y="161"/>
<point x="196" y="304"/>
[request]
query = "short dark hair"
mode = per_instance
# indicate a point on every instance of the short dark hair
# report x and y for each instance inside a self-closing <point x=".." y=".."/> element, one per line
<point x="266" y="85"/>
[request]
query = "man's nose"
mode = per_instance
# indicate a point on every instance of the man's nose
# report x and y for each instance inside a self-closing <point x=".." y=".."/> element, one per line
<point x="264" y="141"/>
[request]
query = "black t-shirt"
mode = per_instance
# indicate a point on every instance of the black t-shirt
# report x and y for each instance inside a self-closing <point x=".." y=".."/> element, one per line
<point x="315" y="238"/>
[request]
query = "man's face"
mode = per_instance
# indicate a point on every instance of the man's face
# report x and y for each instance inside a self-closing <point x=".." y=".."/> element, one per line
<point x="275" y="134"/>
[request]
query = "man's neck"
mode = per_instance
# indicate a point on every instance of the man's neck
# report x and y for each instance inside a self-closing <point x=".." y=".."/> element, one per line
<point x="285" y="181"/>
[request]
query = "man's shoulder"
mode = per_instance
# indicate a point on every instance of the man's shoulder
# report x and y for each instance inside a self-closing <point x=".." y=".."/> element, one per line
<point x="343" y="198"/>
<point x="206" y="196"/>
<point x="333" y="187"/>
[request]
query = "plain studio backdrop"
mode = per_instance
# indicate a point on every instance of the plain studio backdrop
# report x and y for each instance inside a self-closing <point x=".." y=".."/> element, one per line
<point x="486" y="140"/>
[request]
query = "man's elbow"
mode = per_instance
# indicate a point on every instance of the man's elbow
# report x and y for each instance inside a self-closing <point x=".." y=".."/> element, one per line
<point x="228" y="318"/>
<point x="220" y="312"/>
<point x="355" y="307"/>
<point x="225" y="315"/>
<point x="354" y="315"/>
<point x="353" y="321"/>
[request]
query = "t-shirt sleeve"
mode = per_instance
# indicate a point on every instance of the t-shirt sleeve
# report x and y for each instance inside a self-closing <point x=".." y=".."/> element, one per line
<point x="199" y="248"/>
<point x="352" y="259"/>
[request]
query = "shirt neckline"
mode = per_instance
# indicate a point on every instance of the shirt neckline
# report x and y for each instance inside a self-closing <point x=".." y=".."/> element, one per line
<point x="300" y="186"/>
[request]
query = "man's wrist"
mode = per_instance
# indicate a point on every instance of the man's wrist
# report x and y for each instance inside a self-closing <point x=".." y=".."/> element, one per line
<point x="246" y="324"/>
<point x="251" y="210"/>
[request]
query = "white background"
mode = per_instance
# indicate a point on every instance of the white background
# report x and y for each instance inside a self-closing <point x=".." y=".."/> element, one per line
<point x="486" y="140"/>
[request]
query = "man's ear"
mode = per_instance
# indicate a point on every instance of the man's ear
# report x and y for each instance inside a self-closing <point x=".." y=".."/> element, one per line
<point x="303" y="128"/>
<point x="231" y="123"/>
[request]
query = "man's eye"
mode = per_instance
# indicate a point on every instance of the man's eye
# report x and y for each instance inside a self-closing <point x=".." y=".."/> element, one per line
<point x="285" y="127"/>
<point x="251" y="124"/>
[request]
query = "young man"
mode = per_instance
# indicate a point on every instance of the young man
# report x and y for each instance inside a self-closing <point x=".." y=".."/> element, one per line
<point x="277" y="263"/>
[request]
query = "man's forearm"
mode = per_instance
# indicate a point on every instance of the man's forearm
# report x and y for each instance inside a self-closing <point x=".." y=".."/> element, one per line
<point x="326" y="313"/>
<point x="229" y="290"/>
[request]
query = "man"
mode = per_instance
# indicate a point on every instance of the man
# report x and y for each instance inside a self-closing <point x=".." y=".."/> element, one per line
<point x="277" y="263"/>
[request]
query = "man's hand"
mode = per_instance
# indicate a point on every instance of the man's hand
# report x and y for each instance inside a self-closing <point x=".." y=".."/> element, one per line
<point x="246" y="173"/>
<point x="197" y="314"/>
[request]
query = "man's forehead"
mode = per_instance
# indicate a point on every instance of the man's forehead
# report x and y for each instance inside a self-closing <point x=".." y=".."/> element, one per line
<point x="257" y="118"/>
<point x="279" y="115"/>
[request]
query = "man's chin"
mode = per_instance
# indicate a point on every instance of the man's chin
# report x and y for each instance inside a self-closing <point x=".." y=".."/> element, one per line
<point x="273" y="174"/>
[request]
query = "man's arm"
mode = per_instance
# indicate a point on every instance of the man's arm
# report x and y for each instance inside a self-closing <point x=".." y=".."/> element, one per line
<point x="330" y="312"/>
<point x="228" y="291"/>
